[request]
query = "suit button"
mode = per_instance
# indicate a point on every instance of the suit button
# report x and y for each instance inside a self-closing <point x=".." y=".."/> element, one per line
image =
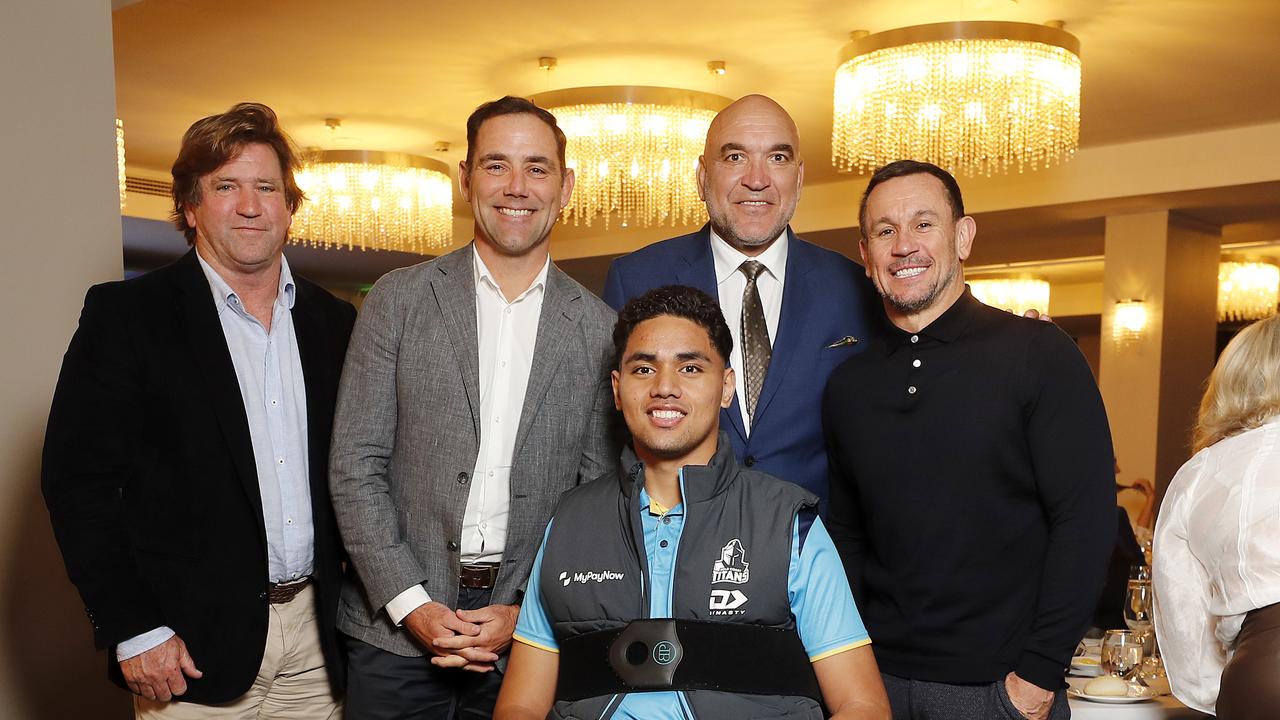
<point x="463" y="478"/>
<point x="751" y="460"/>
<point x="262" y="595"/>
<point x="453" y="546"/>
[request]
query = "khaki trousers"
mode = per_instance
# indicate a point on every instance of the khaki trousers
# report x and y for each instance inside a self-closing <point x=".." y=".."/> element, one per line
<point x="292" y="683"/>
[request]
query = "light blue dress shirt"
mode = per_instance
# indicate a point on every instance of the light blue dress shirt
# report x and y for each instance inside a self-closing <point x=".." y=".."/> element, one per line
<point x="273" y="391"/>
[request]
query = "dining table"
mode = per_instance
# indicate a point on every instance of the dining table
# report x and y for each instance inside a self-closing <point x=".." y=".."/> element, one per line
<point x="1164" y="707"/>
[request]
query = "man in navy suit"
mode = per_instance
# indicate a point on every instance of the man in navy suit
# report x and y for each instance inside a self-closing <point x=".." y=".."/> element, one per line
<point x="817" y="306"/>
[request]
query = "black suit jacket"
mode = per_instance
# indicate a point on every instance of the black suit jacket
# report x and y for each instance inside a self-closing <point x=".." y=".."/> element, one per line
<point x="150" y="480"/>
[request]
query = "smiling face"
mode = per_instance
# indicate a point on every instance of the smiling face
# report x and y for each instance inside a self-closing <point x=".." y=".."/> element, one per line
<point x="515" y="184"/>
<point x="243" y="219"/>
<point x="914" y="249"/>
<point x="750" y="173"/>
<point x="670" y="386"/>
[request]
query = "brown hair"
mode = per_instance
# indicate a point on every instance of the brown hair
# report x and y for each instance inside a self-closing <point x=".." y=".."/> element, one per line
<point x="1244" y="388"/>
<point x="214" y="141"/>
<point x="511" y="105"/>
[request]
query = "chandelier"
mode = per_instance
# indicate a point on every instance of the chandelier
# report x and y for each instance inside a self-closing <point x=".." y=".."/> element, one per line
<point x="972" y="97"/>
<point x="374" y="200"/>
<point x="1247" y="290"/>
<point x="634" y="151"/>
<point x="1015" y="295"/>
<point x="120" y="175"/>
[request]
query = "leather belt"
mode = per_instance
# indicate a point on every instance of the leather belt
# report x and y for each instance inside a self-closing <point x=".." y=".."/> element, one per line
<point x="478" y="575"/>
<point x="279" y="593"/>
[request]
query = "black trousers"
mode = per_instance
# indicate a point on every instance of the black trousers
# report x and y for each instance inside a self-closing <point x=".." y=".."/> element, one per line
<point x="923" y="700"/>
<point x="385" y="686"/>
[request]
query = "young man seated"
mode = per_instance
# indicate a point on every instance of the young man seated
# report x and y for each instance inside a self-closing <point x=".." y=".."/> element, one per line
<point x="681" y="585"/>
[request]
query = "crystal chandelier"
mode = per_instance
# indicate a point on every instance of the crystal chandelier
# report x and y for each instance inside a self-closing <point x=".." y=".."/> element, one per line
<point x="634" y="151"/>
<point x="1016" y="295"/>
<point x="374" y="200"/>
<point x="972" y="97"/>
<point x="120" y="175"/>
<point x="1247" y="290"/>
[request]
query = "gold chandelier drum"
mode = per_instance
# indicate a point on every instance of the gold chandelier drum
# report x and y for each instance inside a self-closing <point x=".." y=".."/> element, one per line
<point x="972" y="97"/>
<point x="634" y="151"/>
<point x="374" y="200"/>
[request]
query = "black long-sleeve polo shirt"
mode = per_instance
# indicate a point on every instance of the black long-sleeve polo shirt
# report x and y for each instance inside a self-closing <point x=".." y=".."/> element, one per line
<point x="972" y="495"/>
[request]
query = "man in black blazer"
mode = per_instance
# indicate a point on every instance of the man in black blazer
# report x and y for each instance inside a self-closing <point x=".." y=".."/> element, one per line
<point x="186" y="458"/>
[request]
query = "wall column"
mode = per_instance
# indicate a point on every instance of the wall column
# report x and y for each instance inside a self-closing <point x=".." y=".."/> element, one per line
<point x="61" y="233"/>
<point x="1152" y="384"/>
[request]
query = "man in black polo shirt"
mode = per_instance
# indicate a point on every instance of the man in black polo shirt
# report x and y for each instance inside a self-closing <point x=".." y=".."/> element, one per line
<point x="971" y="497"/>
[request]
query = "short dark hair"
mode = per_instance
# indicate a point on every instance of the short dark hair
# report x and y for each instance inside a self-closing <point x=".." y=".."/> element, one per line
<point x="903" y="168"/>
<point x="511" y="105"/>
<point x="679" y="301"/>
<point x="214" y="141"/>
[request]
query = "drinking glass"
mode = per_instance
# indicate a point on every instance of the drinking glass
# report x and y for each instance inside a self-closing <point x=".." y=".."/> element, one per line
<point x="1138" y="605"/>
<point x="1121" y="653"/>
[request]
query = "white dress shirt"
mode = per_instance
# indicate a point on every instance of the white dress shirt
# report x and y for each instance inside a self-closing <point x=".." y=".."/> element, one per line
<point x="730" y="282"/>
<point x="507" y="333"/>
<point x="1216" y="557"/>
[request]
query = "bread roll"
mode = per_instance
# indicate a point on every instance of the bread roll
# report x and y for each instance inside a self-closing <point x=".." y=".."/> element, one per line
<point x="1108" y="685"/>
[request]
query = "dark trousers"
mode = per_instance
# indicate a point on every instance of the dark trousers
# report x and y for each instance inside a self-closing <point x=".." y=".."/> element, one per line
<point x="923" y="700"/>
<point x="385" y="686"/>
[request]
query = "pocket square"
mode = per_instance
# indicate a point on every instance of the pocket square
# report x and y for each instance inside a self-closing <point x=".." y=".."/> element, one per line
<point x="842" y="342"/>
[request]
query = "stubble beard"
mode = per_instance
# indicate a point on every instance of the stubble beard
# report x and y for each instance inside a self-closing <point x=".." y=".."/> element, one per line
<point x="922" y="303"/>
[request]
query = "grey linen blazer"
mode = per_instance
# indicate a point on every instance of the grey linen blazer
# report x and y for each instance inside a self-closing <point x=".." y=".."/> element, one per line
<point x="407" y="431"/>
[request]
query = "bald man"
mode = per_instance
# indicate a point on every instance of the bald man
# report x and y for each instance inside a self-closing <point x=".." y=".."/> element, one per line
<point x="796" y="311"/>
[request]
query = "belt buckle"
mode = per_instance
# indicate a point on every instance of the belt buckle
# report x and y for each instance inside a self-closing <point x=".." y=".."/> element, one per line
<point x="477" y="575"/>
<point x="281" y="593"/>
<point x="646" y="653"/>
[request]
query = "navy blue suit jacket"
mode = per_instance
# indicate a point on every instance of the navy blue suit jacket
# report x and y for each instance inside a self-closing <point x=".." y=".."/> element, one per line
<point x="826" y="298"/>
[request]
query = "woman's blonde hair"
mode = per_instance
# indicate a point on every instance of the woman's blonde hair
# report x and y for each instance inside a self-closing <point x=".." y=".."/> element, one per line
<point x="1244" y="389"/>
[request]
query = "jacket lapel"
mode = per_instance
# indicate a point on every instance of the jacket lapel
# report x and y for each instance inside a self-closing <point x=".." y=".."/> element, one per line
<point x="313" y="336"/>
<point x="698" y="270"/>
<point x="454" y="285"/>
<point x="208" y="345"/>
<point x="798" y="309"/>
<point x="561" y="308"/>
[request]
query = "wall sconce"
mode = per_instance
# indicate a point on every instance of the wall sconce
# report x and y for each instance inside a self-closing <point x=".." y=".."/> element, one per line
<point x="1129" y="321"/>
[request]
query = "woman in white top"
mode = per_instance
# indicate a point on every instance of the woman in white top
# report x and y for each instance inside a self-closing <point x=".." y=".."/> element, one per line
<point x="1217" y="541"/>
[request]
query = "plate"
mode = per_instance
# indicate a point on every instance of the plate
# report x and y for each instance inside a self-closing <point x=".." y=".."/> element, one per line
<point x="1147" y="694"/>
<point x="1086" y="666"/>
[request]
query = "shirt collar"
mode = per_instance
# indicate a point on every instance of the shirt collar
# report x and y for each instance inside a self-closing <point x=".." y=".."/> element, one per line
<point x="947" y="327"/>
<point x="728" y="258"/>
<point x="224" y="296"/>
<point x="483" y="276"/>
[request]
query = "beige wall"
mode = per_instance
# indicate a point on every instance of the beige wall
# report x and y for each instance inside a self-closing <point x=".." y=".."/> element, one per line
<point x="61" y="233"/>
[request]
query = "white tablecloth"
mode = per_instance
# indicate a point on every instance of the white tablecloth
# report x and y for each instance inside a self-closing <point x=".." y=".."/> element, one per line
<point x="1166" y="707"/>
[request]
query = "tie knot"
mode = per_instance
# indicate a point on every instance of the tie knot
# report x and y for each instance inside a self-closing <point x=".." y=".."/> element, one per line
<point x="752" y="269"/>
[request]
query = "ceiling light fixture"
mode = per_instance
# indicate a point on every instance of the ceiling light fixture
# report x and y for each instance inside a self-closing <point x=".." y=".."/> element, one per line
<point x="634" y="151"/>
<point x="1016" y="295"/>
<point x="374" y="200"/>
<point x="120" y="174"/>
<point x="1247" y="290"/>
<point x="972" y="97"/>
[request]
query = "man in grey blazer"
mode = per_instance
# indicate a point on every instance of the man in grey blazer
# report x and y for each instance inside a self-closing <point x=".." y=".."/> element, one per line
<point x="476" y="390"/>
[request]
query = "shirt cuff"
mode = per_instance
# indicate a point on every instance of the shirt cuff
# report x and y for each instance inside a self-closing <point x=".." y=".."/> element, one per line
<point x="406" y="602"/>
<point x="139" y="644"/>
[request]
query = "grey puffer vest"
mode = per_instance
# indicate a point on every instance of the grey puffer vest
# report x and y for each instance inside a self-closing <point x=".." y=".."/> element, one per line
<point x="731" y="565"/>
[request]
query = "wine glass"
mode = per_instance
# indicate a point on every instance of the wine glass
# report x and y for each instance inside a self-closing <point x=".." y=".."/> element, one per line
<point x="1121" y="653"/>
<point x="1138" y="605"/>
